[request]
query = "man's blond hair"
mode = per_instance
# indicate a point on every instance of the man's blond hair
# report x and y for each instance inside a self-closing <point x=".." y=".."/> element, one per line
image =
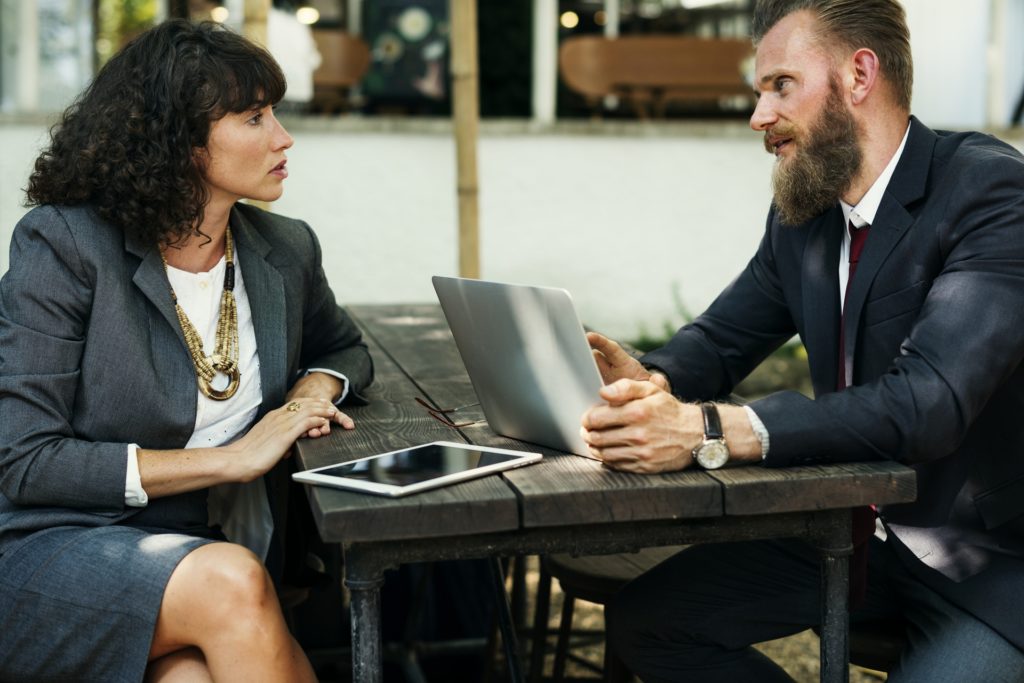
<point x="879" y="25"/>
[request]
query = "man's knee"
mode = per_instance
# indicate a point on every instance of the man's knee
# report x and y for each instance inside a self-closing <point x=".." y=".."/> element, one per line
<point x="618" y="625"/>
<point x="630" y="619"/>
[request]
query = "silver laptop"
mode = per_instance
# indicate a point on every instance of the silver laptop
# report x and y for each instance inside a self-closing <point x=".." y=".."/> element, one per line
<point x="527" y="356"/>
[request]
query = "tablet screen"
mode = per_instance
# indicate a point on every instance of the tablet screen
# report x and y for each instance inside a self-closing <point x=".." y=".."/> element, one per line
<point x="419" y="464"/>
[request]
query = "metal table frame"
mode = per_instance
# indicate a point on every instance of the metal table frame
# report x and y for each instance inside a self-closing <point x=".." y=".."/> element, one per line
<point x="826" y="530"/>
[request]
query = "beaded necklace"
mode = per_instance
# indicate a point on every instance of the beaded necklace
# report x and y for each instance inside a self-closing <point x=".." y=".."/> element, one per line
<point x="225" y="355"/>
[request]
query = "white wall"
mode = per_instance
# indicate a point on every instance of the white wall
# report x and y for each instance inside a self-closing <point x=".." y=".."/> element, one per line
<point x="20" y="145"/>
<point x="968" y="61"/>
<point x="619" y="221"/>
<point x="1007" y="61"/>
<point x="949" y="42"/>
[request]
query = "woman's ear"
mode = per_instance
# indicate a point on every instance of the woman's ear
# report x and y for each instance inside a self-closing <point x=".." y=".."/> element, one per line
<point x="201" y="157"/>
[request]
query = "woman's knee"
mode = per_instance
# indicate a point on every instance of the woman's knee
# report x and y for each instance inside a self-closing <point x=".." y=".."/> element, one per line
<point x="220" y="583"/>
<point x="230" y="578"/>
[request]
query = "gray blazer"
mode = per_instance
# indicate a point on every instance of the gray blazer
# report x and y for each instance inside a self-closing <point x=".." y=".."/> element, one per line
<point x="92" y="358"/>
<point x="934" y="335"/>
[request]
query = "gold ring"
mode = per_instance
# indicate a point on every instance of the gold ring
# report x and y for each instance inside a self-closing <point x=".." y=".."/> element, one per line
<point x="293" y="407"/>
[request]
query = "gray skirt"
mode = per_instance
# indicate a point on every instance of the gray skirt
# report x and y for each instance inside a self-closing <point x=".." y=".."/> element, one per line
<point x="80" y="604"/>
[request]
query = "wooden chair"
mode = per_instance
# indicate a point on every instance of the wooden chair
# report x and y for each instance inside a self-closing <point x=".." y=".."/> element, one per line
<point x="344" y="61"/>
<point x="596" y="579"/>
<point x="650" y="71"/>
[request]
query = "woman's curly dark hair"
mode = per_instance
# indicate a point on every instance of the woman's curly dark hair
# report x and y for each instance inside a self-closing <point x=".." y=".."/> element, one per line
<point x="127" y="145"/>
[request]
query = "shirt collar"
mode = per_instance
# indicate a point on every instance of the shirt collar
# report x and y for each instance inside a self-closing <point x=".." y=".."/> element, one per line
<point x="864" y="213"/>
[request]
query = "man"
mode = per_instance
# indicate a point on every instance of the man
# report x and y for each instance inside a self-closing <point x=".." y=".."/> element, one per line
<point x="897" y="254"/>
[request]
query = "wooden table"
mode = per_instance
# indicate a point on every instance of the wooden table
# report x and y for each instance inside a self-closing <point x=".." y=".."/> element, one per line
<point x="563" y="504"/>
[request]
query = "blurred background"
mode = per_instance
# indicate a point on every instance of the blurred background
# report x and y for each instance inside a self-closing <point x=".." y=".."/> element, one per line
<point x="614" y="157"/>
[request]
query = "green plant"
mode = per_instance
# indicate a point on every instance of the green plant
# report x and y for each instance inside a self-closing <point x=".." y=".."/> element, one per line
<point x="646" y="341"/>
<point x="785" y="369"/>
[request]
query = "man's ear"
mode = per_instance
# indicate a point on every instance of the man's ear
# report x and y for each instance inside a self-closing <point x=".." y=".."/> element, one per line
<point x="865" y="69"/>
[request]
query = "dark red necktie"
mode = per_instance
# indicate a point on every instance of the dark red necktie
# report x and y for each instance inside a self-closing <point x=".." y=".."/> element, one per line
<point x="863" y="517"/>
<point x="858" y="237"/>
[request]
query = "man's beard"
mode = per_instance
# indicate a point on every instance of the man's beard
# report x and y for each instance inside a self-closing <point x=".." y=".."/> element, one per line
<point x="828" y="157"/>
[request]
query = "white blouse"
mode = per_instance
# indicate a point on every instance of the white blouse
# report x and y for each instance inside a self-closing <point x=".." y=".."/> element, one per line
<point x="242" y="510"/>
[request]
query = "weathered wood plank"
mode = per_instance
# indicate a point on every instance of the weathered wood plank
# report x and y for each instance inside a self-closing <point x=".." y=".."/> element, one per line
<point x="392" y="395"/>
<point x="417" y="338"/>
<point x="393" y="420"/>
<point x="479" y="506"/>
<point x="568" y="489"/>
<point x="765" y="490"/>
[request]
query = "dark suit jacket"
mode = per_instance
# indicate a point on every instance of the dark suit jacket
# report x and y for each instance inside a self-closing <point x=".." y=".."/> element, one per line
<point x="935" y="335"/>
<point x="92" y="358"/>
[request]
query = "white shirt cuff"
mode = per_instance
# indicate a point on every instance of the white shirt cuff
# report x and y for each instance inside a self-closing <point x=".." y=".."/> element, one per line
<point x="759" y="430"/>
<point x="134" y="495"/>
<point x="332" y="373"/>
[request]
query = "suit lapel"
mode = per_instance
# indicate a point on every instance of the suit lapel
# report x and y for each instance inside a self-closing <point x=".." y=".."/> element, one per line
<point x="892" y="221"/>
<point x="170" y="358"/>
<point x="265" y="289"/>
<point x="151" y="279"/>
<point x="821" y="298"/>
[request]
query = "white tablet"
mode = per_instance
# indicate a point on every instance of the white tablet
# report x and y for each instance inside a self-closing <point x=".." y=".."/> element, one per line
<point x="415" y="469"/>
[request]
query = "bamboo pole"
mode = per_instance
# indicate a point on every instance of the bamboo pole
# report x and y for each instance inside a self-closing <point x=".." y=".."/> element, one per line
<point x="466" y="110"/>
<point x="545" y="61"/>
<point x="254" y="21"/>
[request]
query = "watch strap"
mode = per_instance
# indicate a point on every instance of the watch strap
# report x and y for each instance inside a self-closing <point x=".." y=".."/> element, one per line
<point x="712" y="421"/>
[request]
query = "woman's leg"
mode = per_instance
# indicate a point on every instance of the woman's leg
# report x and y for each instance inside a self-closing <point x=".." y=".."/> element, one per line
<point x="221" y="601"/>
<point x="183" y="666"/>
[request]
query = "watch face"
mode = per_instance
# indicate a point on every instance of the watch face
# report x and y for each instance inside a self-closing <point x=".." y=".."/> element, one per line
<point x="712" y="454"/>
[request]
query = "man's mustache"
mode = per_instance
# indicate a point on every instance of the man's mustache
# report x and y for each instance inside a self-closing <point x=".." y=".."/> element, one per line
<point x="777" y="133"/>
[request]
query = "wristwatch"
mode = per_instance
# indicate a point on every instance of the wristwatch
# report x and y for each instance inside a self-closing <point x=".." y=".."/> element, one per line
<point x="713" y="452"/>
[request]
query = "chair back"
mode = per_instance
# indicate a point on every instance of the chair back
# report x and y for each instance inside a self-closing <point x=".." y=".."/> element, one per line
<point x="701" y="68"/>
<point x="345" y="59"/>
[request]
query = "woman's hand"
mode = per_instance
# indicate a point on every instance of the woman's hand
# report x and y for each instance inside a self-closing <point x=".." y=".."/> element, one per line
<point x="320" y="385"/>
<point x="271" y="438"/>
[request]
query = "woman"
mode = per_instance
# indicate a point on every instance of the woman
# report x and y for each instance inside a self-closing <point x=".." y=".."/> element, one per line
<point x="161" y="348"/>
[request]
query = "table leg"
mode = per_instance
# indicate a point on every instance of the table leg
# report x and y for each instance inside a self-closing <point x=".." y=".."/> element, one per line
<point x="835" y="549"/>
<point x="540" y="624"/>
<point x="364" y="579"/>
<point x="505" y="622"/>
